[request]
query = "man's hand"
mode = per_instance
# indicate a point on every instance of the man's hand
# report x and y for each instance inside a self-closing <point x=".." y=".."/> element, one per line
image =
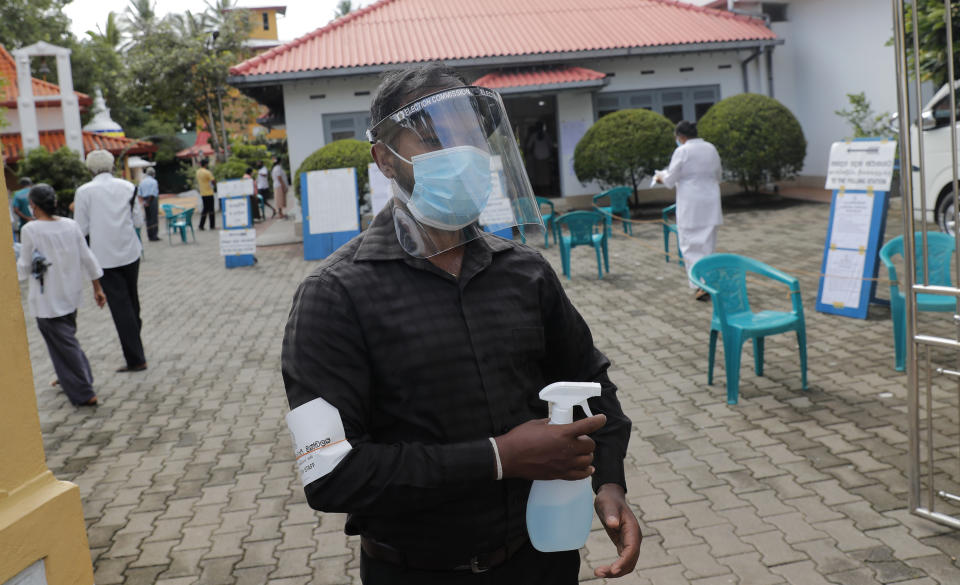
<point x="538" y="450"/>
<point x="622" y="528"/>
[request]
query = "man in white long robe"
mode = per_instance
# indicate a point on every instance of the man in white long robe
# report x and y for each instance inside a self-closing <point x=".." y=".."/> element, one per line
<point x="695" y="172"/>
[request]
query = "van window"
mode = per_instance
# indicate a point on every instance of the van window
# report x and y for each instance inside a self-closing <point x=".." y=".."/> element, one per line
<point x="941" y="110"/>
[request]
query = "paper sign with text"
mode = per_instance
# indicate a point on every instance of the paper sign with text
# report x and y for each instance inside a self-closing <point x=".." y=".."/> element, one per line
<point x="234" y="242"/>
<point x="861" y="164"/>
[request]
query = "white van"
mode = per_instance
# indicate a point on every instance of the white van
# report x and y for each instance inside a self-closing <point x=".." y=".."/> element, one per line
<point x="938" y="174"/>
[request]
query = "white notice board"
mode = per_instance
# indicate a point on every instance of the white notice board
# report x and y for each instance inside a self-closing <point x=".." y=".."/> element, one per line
<point x="235" y="212"/>
<point x="861" y="164"/>
<point x="233" y="242"/>
<point x="332" y="201"/>
<point x="235" y="187"/>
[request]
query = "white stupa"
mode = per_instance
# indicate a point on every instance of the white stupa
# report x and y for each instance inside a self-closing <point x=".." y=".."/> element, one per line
<point x="101" y="123"/>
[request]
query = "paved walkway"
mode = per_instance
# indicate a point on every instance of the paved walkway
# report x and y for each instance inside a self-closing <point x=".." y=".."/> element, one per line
<point x="187" y="476"/>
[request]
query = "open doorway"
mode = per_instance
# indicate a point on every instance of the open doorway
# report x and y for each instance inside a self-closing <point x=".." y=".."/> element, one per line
<point x="534" y="122"/>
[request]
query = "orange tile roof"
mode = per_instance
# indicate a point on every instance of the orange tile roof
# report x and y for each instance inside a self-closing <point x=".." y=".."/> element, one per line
<point x="9" y="91"/>
<point x="406" y="31"/>
<point x="54" y="139"/>
<point x="539" y="77"/>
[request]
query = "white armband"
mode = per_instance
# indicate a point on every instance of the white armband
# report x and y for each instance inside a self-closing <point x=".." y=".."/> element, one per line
<point x="319" y="441"/>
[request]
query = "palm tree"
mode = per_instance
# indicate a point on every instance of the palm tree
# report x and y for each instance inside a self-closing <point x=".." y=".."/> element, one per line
<point x="344" y="7"/>
<point x="110" y="35"/>
<point x="140" y="17"/>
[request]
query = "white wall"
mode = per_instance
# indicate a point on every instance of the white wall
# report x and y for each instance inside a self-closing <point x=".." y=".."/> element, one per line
<point x="833" y="48"/>
<point x="47" y="119"/>
<point x="304" y="116"/>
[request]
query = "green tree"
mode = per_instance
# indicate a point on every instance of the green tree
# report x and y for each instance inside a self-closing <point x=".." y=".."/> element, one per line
<point x="862" y="119"/>
<point x="24" y="22"/>
<point x="758" y="139"/>
<point x="344" y="7"/>
<point x="242" y="157"/>
<point x="180" y="66"/>
<point x="931" y="59"/>
<point x="63" y="170"/>
<point x="623" y="147"/>
<point x="339" y="154"/>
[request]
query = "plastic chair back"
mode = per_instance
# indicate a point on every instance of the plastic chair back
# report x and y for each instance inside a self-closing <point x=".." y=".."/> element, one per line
<point x="619" y="205"/>
<point x="549" y="215"/>
<point x="582" y="226"/>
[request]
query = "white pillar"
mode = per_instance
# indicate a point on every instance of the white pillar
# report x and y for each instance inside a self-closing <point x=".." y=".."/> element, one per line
<point x="69" y="104"/>
<point x="26" y="106"/>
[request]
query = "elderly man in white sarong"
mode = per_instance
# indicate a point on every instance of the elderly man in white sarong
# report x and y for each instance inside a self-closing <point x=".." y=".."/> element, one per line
<point x="695" y="172"/>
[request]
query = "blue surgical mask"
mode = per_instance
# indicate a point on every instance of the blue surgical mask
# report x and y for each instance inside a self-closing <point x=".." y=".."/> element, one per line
<point x="678" y="142"/>
<point x="451" y="186"/>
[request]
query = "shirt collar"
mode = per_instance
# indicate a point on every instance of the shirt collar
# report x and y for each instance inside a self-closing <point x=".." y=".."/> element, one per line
<point x="380" y="240"/>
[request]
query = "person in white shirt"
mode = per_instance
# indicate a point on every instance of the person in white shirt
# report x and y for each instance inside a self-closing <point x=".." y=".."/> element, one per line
<point x="695" y="171"/>
<point x="62" y="266"/>
<point x="263" y="186"/>
<point x="280" y="187"/>
<point x="105" y="211"/>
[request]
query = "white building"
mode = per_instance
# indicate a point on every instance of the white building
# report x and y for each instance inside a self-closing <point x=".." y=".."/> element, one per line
<point x="558" y="63"/>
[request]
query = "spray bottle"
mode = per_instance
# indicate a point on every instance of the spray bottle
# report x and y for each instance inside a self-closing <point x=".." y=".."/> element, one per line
<point x="559" y="511"/>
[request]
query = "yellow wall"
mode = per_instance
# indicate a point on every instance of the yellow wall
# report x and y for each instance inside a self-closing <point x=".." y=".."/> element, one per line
<point x="40" y="517"/>
<point x="256" y="23"/>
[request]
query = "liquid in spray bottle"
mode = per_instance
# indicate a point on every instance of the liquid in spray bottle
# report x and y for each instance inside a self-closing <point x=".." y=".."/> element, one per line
<point x="559" y="511"/>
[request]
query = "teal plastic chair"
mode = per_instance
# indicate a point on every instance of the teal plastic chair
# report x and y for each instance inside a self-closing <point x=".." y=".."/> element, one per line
<point x="585" y="228"/>
<point x="941" y="248"/>
<point x="670" y="228"/>
<point x="548" y="220"/>
<point x="179" y="220"/>
<point x="724" y="277"/>
<point x="619" y="205"/>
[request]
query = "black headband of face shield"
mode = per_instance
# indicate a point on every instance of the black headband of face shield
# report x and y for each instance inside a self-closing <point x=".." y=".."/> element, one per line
<point x="486" y="106"/>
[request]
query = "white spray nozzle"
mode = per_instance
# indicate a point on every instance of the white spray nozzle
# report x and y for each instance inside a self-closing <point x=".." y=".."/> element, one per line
<point x="565" y="395"/>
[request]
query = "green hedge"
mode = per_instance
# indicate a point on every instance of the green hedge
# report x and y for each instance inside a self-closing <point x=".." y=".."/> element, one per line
<point x="623" y="147"/>
<point x="339" y="154"/>
<point x="63" y="170"/>
<point x="758" y="138"/>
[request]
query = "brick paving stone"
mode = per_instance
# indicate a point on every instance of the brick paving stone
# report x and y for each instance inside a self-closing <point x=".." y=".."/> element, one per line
<point x="774" y="549"/>
<point x="698" y="562"/>
<point x="653" y="555"/>
<point x="745" y="521"/>
<point x="800" y="573"/>
<point x="903" y="544"/>
<point x="675" y="533"/>
<point x="828" y="558"/>
<point x="846" y="534"/>
<point x="217" y="571"/>
<point x="750" y="569"/>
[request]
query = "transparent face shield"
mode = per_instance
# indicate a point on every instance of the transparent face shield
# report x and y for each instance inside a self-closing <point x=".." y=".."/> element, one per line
<point x="456" y="171"/>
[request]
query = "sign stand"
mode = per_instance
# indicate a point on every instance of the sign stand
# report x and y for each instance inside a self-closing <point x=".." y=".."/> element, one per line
<point x="238" y="239"/>
<point x="859" y="174"/>
<point x="331" y="214"/>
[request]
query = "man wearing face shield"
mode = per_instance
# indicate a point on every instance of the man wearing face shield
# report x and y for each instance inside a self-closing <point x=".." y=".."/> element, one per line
<point x="429" y="339"/>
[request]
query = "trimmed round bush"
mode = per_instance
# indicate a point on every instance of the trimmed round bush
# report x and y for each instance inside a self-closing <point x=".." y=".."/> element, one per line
<point x="231" y="169"/>
<point x="623" y="147"/>
<point x="339" y="154"/>
<point x="758" y="138"/>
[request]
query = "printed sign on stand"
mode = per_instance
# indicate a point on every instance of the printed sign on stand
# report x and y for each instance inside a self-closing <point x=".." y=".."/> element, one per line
<point x="380" y="191"/>
<point x="860" y="171"/>
<point x="238" y="239"/>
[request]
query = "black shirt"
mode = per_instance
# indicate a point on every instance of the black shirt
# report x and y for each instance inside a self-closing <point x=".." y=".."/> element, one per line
<point x="424" y="368"/>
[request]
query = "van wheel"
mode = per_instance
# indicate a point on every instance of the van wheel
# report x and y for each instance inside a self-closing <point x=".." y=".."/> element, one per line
<point x="946" y="219"/>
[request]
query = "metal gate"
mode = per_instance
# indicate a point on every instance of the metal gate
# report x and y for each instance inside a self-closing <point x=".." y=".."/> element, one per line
<point x="933" y="339"/>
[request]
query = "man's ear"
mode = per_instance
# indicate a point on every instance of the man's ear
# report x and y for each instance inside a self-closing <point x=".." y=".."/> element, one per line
<point x="384" y="159"/>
